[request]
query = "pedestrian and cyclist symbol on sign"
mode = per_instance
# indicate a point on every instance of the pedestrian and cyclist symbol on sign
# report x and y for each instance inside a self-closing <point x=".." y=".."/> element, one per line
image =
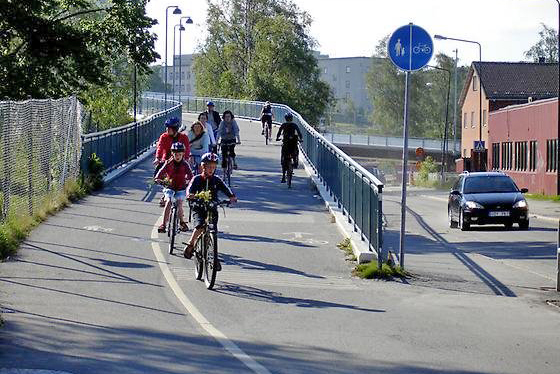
<point x="410" y="47"/>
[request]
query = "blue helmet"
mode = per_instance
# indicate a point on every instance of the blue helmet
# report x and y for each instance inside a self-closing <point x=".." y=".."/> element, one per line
<point x="172" y="122"/>
<point x="289" y="117"/>
<point x="208" y="157"/>
<point x="209" y="103"/>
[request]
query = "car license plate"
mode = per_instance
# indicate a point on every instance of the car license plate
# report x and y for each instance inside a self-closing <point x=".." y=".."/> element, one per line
<point x="499" y="214"/>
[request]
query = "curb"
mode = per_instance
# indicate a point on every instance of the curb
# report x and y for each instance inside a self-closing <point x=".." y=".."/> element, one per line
<point x="126" y="167"/>
<point x="360" y="249"/>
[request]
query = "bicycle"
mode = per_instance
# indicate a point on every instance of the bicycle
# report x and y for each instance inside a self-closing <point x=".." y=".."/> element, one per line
<point x="173" y="223"/>
<point x="229" y="164"/>
<point x="206" y="246"/>
<point x="267" y="130"/>
<point x="289" y="164"/>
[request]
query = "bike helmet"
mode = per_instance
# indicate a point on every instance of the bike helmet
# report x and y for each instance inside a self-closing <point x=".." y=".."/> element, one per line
<point x="267" y="103"/>
<point x="289" y="117"/>
<point x="172" y="122"/>
<point x="177" y="147"/>
<point x="210" y="103"/>
<point x="208" y="157"/>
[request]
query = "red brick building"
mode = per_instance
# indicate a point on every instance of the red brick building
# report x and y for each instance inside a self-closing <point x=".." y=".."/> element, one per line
<point x="523" y="142"/>
<point x="498" y="85"/>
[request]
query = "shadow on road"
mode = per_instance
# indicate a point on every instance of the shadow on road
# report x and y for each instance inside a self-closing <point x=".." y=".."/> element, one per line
<point x="246" y="264"/>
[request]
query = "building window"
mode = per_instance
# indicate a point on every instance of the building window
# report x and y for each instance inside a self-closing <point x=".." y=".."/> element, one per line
<point x="334" y="78"/>
<point x="520" y="156"/>
<point x="347" y="84"/>
<point x="475" y="83"/>
<point x="506" y="156"/>
<point x="465" y="120"/>
<point x="472" y="119"/>
<point x="347" y="96"/>
<point x="325" y="71"/>
<point x="532" y="155"/>
<point x="484" y="117"/>
<point x="495" y="156"/>
<point x="348" y="69"/>
<point x="551" y="155"/>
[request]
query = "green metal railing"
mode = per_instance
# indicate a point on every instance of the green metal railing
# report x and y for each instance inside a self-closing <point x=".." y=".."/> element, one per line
<point x="356" y="191"/>
<point x="120" y="145"/>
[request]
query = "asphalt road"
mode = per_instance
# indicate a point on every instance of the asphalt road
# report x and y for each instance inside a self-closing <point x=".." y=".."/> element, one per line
<point x="94" y="291"/>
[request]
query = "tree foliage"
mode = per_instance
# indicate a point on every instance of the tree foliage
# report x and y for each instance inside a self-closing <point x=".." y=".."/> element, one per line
<point x="428" y="96"/>
<point x="261" y="50"/>
<point x="53" y="48"/>
<point x="546" y="47"/>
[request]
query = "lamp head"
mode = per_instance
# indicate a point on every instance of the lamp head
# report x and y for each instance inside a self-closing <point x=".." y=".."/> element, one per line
<point x="177" y="10"/>
<point x="440" y="37"/>
<point x="182" y="28"/>
<point x="189" y="21"/>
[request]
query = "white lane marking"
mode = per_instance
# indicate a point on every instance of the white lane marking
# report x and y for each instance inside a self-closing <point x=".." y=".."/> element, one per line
<point x="230" y="346"/>
<point x="98" y="228"/>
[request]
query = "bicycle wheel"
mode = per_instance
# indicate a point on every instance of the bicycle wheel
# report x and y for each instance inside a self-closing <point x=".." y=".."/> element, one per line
<point x="210" y="259"/>
<point x="289" y="172"/>
<point x="229" y="170"/>
<point x="266" y="134"/>
<point x="198" y="258"/>
<point x="173" y="227"/>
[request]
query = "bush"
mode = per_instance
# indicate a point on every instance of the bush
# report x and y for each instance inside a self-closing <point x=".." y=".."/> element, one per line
<point x="371" y="270"/>
<point x="93" y="180"/>
<point x="426" y="167"/>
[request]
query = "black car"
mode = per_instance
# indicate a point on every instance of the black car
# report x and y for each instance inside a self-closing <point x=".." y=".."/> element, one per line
<point x="483" y="198"/>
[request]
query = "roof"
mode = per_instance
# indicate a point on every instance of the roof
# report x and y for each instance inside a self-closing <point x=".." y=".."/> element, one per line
<point x="515" y="80"/>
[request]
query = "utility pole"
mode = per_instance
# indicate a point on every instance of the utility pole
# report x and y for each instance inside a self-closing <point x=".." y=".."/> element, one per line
<point x="455" y="104"/>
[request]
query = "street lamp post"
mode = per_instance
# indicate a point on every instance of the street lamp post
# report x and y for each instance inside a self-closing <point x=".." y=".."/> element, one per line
<point x="174" y="30"/>
<point x="188" y="21"/>
<point x="176" y="10"/>
<point x="440" y="37"/>
<point x="455" y="103"/>
<point x="444" y="145"/>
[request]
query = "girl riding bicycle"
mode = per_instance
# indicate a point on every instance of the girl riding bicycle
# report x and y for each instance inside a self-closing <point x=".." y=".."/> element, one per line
<point x="206" y="181"/>
<point x="175" y="175"/>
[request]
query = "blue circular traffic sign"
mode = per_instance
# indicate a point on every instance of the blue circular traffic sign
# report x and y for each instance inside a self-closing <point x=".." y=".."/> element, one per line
<point x="410" y="47"/>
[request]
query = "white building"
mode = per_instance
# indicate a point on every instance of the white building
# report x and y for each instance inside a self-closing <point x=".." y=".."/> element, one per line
<point x="347" y="78"/>
<point x="180" y="76"/>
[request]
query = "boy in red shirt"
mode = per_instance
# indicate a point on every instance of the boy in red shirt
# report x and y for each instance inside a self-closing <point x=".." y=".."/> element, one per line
<point x="177" y="173"/>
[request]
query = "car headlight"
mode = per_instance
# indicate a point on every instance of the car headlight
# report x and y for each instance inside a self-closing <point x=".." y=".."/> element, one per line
<point x="473" y="205"/>
<point x="521" y="204"/>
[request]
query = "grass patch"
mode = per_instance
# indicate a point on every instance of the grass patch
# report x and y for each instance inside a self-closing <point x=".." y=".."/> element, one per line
<point x="540" y="196"/>
<point x="346" y="247"/>
<point x="438" y="185"/>
<point x="15" y="228"/>
<point x="370" y="270"/>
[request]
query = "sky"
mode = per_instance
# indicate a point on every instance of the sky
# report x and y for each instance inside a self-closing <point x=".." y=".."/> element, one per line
<point x="504" y="28"/>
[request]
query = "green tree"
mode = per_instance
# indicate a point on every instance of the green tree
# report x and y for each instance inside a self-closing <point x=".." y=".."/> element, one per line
<point x="53" y="48"/>
<point x="428" y="93"/>
<point x="546" y="47"/>
<point x="261" y="50"/>
<point x="155" y="82"/>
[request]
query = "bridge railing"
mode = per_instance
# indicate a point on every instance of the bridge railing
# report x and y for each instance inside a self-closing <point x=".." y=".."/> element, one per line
<point x="389" y="141"/>
<point x="357" y="192"/>
<point x="120" y="145"/>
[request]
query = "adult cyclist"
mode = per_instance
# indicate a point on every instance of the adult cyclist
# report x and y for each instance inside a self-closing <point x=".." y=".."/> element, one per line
<point x="166" y="139"/>
<point x="267" y="117"/>
<point x="290" y="136"/>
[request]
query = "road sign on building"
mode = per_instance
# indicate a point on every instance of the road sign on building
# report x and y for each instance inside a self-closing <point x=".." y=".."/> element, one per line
<point x="410" y="47"/>
<point x="479" y="145"/>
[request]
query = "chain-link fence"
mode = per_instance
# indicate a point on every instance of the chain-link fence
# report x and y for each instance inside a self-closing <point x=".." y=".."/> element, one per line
<point x="40" y="149"/>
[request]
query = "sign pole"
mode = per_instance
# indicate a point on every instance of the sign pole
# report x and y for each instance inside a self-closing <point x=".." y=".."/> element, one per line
<point x="404" y="171"/>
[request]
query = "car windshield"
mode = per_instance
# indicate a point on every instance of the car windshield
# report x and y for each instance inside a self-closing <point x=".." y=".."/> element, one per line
<point x="489" y="184"/>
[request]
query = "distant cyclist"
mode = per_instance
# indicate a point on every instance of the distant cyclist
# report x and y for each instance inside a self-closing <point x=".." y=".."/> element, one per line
<point x="228" y="133"/>
<point x="176" y="173"/>
<point x="167" y="138"/>
<point x="203" y="118"/>
<point x="213" y="117"/>
<point x="207" y="181"/>
<point x="267" y="117"/>
<point x="290" y="136"/>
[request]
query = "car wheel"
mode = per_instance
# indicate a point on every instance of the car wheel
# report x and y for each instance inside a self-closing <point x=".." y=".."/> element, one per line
<point x="508" y="225"/>
<point x="452" y="223"/>
<point x="524" y="224"/>
<point x="464" y="225"/>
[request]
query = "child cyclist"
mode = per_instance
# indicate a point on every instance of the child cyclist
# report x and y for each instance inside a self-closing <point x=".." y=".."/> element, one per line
<point x="175" y="174"/>
<point x="206" y="181"/>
